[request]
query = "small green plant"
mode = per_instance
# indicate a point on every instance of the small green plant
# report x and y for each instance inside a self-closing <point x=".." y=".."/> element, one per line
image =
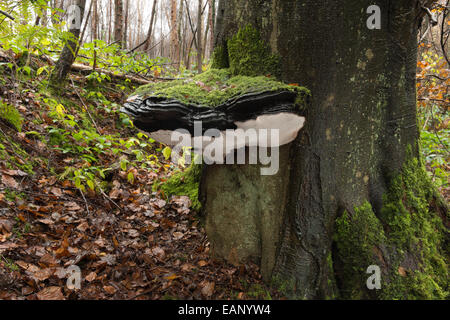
<point x="10" y="114"/>
<point x="10" y="264"/>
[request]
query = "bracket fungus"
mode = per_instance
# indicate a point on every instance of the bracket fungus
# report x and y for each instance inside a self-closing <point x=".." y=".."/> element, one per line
<point x="212" y="105"/>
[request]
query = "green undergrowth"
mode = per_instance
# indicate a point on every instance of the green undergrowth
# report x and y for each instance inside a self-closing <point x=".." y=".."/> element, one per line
<point x="10" y="115"/>
<point x="409" y="229"/>
<point x="214" y="87"/>
<point x="13" y="155"/>
<point x="183" y="183"/>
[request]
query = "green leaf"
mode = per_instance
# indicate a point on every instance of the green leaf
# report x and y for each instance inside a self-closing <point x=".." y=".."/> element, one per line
<point x="167" y="152"/>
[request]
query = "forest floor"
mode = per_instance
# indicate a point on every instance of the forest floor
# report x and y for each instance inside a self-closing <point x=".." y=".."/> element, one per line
<point x="128" y="241"/>
<point x="76" y="189"/>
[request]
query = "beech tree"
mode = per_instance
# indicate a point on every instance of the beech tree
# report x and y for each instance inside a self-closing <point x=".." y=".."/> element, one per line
<point x="351" y="191"/>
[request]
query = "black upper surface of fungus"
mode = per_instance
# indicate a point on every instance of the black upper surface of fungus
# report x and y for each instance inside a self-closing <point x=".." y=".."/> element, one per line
<point x="159" y="113"/>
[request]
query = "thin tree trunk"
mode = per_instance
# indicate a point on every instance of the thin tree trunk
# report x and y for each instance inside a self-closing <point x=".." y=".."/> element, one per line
<point x="125" y="31"/>
<point x="94" y="21"/>
<point x="199" y="37"/>
<point x="68" y="53"/>
<point x="175" y="45"/>
<point x="150" y="28"/>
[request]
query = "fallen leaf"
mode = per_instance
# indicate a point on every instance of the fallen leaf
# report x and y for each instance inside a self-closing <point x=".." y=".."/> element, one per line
<point x="208" y="288"/>
<point x="158" y="252"/>
<point x="6" y="225"/>
<point x="48" y="260"/>
<point x="187" y="267"/>
<point x="43" y="274"/>
<point x="51" y="293"/>
<point x="133" y="233"/>
<point x="7" y="246"/>
<point x="56" y="191"/>
<point x="10" y="182"/>
<point x="72" y="206"/>
<point x="178" y="235"/>
<point x="202" y="263"/>
<point x="91" y="277"/>
<point x="172" y="277"/>
<point x="109" y="289"/>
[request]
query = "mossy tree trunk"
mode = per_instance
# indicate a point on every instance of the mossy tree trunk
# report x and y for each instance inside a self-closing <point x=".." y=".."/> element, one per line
<point x="351" y="191"/>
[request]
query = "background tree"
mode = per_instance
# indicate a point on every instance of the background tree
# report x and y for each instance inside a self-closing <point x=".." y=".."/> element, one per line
<point x="118" y="22"/>
<point x="67" y="56"/>
<point x="351" y="190"/>
<point x="199" y="37"/>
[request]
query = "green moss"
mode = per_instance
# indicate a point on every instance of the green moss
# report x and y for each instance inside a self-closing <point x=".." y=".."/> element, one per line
<point x="249" y="55"/>
<point x="413" y="225"/>
<point x="412" y="234"/>
<point x="184" y="183"/>
<point x="215" y="87"/>
<point x="220" y="58"/>
<point x="10" y="114"/>
<point x="357" y="236"/>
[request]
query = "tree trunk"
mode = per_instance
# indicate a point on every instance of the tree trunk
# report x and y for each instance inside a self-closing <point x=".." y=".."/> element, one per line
<point x="199" y="37"/>
<point x="150" y="28"/>
<point x="351" y="181"/>
<point x="118" y="22"/>
<point x="94" y="21"/>
<point x="174" y="48"/>
<point x="125" y="28"/>
<point x="68" y="53"/>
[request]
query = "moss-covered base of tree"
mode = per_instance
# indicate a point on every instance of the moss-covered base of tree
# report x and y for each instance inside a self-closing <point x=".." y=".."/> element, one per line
<point x="214" y="87"/>
<point x="183" y="183"/>
<point x="407" y="241"/>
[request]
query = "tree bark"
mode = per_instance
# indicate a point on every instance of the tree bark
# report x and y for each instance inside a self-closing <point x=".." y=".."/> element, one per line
<point x="68" y="53"/>
<point x="94" y="21"/>
<point x="175" y="47"/>
<point x="359" y="127"/>
<point x="199" y="37"/>
<point x="118" y="22"/>
<point x="150" y="28"/>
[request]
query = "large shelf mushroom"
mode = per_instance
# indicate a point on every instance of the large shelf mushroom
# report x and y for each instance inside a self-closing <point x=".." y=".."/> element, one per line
<point x="221" y="102"/>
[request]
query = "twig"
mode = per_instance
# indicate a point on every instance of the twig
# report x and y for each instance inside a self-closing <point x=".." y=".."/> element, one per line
<point x="85" y="201"/>
<point x="7" y="15"/>
<point x="111" y="200"/>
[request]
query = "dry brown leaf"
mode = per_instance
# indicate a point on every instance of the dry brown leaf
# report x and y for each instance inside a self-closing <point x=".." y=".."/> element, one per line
<point x="207" y="288"/>
<point x="402" y="271"/>
<point x="51" y="293"/>
<point x="43" y="274"/>
<point x="6" y="225"/>
<point x="56" y="191"/>
<point x="202" y="263"/>
<point x="178" y="235"/>
<point x="48" y="260"/>
<point x="158" y="252"/>
<point x="187" y="267"/>
<point x="109" y="289"/>
<point x="91" y="277"/>
<point x="10" y="182"/>
<point x="7" y="246"/>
